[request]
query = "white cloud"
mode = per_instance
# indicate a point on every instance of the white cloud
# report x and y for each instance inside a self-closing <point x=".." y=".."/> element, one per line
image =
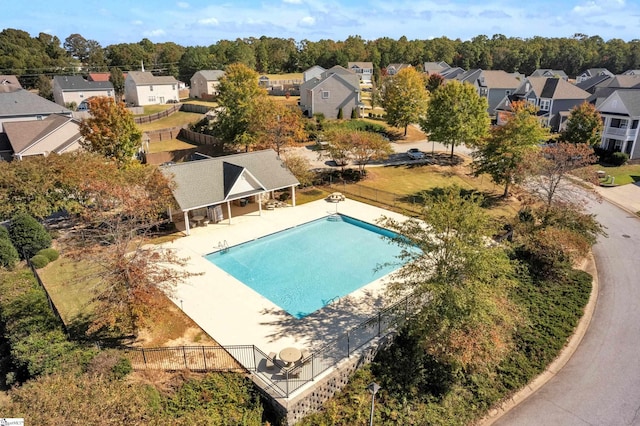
<point x="154" y="33"/>
<point x="292" y="1"/>
<point x="308" y="21"/>
<point x="136" y="22"/>
<point x="208" y="21"/>
<point x="593" y="7"/>
<point x="183" y="5"/>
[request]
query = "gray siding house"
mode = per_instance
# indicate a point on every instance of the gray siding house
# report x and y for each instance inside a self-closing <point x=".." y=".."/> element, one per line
<point x="204" y="83"/>
<point x="75" y="89"/>
<point x="621" y="114"/>
<point x="336" y="89"/>
<point x="17" y="104"/>
<point x="554" y="97"/>
<point x="492" y="84"/>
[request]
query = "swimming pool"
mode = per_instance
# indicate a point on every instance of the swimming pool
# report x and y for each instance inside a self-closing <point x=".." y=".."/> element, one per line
<point x="302" y="269"/>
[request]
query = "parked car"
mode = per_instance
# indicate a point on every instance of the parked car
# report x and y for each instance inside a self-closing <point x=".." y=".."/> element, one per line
<point x="415" y="154"/>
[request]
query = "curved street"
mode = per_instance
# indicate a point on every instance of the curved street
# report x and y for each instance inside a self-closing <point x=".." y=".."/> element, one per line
<point x="600" y="385"/>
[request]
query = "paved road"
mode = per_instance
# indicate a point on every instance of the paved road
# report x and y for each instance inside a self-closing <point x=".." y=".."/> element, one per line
<point x="600" y="385"/>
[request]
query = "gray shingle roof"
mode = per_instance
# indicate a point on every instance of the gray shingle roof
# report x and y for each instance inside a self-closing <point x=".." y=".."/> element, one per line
<point x="207" y="182"/>
<point x="210" y="75"/>
<point x="631" y="100"/>
<point x="75" y="83"/>
<point x="22" y="102"/>
<point x="23" y="134"/>
<point x="142" y="78"/>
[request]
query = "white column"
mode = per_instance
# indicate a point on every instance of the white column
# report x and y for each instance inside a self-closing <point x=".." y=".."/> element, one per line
<point x="293" y="196"/>
<point x="229" y="211"/>
<point x="186" y="222"/>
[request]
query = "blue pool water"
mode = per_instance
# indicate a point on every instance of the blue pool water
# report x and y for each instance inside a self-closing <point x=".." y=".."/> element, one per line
<point x="301" y="269"/>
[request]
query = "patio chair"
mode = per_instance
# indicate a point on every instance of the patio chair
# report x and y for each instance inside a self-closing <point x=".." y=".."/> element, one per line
<point x="271" y="361"/>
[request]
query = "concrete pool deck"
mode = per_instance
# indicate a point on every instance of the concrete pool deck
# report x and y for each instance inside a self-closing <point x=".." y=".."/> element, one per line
<point x="234" y="314"/>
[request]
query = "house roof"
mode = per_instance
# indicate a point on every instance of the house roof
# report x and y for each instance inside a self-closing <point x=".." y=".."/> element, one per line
<point x="555" y="88"/>
<point x="592" y="72"/>
<point x="627" y="81"/>
<point x="431" y="67"/>
<point x="398" y="67"/>
<point x="498" y="79"/>
<point x="23" y="134"/>
<point x="364" y="65"/>
<point x="631" y="100"/>
<point x="547" y="72"/>
<point x="206" y="182"/>
<point x="631" y="72"/>
<point x="76" y="83"/>
<point x="593" y="81"/>
<point x="102" y="76"/>
<point x="210" y="75"/>
<point x="450" y="73"/>
<point x="143" y="78"/>
<point x="337" y="69"/>
<point x="21" y="102"/>
<point x="9" y="83"/>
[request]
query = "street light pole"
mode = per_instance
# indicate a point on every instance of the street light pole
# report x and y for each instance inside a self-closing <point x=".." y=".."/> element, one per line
<point x="373" y="388"/>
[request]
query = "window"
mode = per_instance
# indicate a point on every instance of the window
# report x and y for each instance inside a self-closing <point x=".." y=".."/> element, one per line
<point x="545" y="104"/>
<point x="507" y="92"/>
<point x="532" y="101"/>
<point x="173" y="87"/>
<point x="634" y="124"/>
<point x="151" y="88"/>
<point x="39" y="117"/>
<point x="108" y="92"/>
<point x="152" y="98"/>
<point x="325" y="94"/>
<point x="619" y="123"/>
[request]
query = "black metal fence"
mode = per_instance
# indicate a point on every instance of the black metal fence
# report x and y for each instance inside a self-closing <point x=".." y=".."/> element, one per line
<point x="52" y="305"/>
<point x="194" y="358"/>
<point x="403" y="203"/>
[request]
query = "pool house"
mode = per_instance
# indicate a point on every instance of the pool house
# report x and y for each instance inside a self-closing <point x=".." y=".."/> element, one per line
<point x="210" y="190"/>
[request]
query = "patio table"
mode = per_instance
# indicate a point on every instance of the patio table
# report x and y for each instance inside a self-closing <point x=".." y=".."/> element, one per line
<point x="290" y="355"/>
<point x="198" y="219"/>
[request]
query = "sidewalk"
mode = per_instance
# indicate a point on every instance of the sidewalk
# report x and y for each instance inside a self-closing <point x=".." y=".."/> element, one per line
<point x="626" y="197"/>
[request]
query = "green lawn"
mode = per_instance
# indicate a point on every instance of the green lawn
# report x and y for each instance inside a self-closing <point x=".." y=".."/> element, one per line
<point x="210" y="104"/>
<point x="176" y="119"/>
<point x="152" y="109"/>
<point x="622" y="174"/>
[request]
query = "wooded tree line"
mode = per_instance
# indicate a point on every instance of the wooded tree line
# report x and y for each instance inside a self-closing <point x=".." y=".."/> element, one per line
<point x="28" y="56"/>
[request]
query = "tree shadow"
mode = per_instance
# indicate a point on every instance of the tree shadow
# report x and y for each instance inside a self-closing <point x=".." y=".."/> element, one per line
<point x="636" y="179"/>
<point x="78" y="330"/>
<point x="424" y="197"/>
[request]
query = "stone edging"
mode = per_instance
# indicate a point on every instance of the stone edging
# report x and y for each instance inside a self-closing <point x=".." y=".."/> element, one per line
<point x="588" y="265"/>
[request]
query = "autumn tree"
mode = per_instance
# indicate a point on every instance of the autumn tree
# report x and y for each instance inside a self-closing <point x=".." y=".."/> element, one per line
<point x="456" y="115"/>
<point x="338" y="147"/>
<point x="110" y="130"/>
<point x="367" y="147"/>
<point x="276" y="125"/>
<point x="502" y="155"/>
<point x="300" y="167"/>
<point x="434" y="81"/>
<point x="404" y="98"/>
<point x="584" y="126"/>
<point x="238" y="95"/>
<point x="552" y="165"/>
<point x="468" y="320"/>
<point x="116" y="77"/>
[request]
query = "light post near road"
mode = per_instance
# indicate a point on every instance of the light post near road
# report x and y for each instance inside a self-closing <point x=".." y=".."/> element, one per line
<point x="373" y="388"/>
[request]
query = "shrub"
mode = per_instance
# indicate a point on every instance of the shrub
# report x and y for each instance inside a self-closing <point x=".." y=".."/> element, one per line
<point x="618" y="158"/>
<point x="39" y="261"/>
<point x="8" y="254"/>
<point x="354" y="113"/>
<point x="340" y="114"/>
<point x="49" y="253"/>
<point x="4" y="233"/>
<point x="28" y="235"/>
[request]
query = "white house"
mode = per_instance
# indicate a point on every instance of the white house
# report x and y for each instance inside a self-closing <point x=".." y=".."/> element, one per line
<point x="143" y="88"/>
<point x="621" y="114"/>
<point x="75" y="89"/>
<point x="364" y="70"/>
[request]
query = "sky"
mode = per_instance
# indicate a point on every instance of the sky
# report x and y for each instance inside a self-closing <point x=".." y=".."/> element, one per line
<point x="202" y="23"/>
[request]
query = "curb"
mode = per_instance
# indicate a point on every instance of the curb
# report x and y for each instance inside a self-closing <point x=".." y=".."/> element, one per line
<point x="588" y="265"/>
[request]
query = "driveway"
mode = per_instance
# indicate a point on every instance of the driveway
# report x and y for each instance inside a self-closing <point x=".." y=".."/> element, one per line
<point x="600" y="385"/>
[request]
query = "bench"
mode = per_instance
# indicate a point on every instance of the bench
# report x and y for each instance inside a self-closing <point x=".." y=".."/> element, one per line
<point x="270" y="362"/>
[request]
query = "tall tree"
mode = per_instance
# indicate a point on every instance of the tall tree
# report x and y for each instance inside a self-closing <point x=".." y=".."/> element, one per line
<point x="503" y="154"/>
<point x="404" y="98"/>
<point x="434" y="81"/>
<point x="552" y="165"/>
<point x="116" y="77"/>
<point x="276" y="125"/>
<point x="44" y="87"/>
<point x="584" y="125"/>
<point x="468" y="320"/>
<point x="456" y="115"/>
<point x="239" y="93"/>
<point x="111" y="131"/>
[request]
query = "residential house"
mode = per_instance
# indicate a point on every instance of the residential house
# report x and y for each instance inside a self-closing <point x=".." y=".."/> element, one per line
<point x="364" y="70"/>
<point x="203" y="187"/>
<point x="493" y="85"/>
<point x="336" y="89"/>
<point x="143" y="88"/>
<point x="392" y="69"/>
<point x="102" y="76"/>
<point x="592" y="72"/>
<point x="631" y="72"/>
<point x="618" y="82"/>
<point x="17" y="104"/>
<point x="56" y="133"/>
<point x="592" y="84"/>
<point x="204" y="84"/>
<point x="620" y="113"/>
<point x="554" y="97"/>
<point x="546" y="72"/>
<point x="436" y="67"/>
<point x="313" y="72"/>
<point x="68" y="89"/>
